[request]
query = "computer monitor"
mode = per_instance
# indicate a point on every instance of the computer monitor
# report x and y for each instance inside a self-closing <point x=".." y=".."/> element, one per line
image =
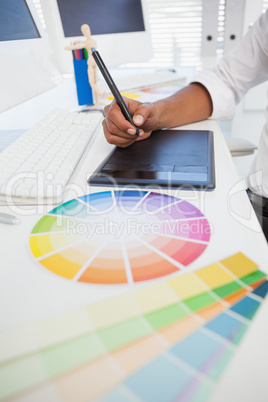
<point x="27" y="64"/>
<point x="120" y="28"/>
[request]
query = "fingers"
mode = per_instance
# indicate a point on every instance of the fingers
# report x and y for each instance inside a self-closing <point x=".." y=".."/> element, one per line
<point x="117" y="129"/>
<point x="121" y="139"/>
<point x="145" y="116"/>
<point x="115" y="120"/>
<point x="121" y="132"/>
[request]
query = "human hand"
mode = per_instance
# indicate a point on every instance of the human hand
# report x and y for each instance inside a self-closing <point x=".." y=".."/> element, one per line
<point x="119" y="131"/>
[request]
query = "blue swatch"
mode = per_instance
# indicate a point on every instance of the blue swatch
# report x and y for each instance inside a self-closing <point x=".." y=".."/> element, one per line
<point x="225" y="326"/>
<point x="161" y="380"/>
<point x="262" y="290"/>
<point x="99" y="201"/>
<point x="247" y="307"/>
<point x="129" y="199"/>
<point x="197" y="349"/>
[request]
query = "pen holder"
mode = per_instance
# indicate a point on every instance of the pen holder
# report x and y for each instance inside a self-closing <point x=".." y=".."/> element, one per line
<point x="84" y="90"/>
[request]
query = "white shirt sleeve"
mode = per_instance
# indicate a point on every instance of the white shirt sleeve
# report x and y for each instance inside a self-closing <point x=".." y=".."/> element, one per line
<point x="243" y="68"/>
<point x="223" y="100"/>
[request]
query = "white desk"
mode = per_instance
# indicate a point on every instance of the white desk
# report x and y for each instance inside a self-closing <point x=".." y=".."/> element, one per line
<point x="28" y="293"/>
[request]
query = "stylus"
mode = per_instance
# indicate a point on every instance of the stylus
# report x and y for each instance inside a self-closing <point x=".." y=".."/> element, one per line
<point x="7" y="218"/>
<point x="113" y="88"/>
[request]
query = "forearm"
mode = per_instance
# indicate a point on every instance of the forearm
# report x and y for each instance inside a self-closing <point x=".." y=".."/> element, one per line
<point x="190" y="104"/>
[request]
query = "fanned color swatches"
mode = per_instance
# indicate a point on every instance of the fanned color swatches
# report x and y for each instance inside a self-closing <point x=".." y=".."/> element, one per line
<point x="168" y="341"/>
<point x="119" y="237"/>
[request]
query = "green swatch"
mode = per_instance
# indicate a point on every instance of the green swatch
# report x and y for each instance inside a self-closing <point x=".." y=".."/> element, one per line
<point x="166" y="316"/>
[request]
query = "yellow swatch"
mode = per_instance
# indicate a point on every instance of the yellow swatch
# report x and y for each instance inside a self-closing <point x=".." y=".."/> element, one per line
<point x="187" y="286"/>
<point x="117" y="309"/>
<point x="239" y="265"/>
<point x="127" y="95"/>
<point x="148" y="298"/>
<point x="214" y="276"/>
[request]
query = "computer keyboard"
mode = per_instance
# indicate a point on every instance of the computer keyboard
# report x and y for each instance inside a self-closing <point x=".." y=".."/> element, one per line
<point x="38" y="165"/>
<point x="126" y="81"/>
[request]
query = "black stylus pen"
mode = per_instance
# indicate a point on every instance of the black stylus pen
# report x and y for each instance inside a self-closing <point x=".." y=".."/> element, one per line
<point x="113" y="88"/>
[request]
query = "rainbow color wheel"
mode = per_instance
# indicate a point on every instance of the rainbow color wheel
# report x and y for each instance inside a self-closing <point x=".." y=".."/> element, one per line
<point x="120" y="237"/>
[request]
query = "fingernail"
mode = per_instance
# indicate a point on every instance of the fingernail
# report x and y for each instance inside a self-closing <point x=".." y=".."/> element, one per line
<point x="131" y="131"/>
<point x="138" y="119"/>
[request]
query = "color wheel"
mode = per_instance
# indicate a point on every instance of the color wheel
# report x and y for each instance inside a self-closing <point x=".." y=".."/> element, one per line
<point x="120" y="237"/>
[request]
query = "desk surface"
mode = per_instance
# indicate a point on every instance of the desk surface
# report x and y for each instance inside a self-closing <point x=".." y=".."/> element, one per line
<point x="28" y="293"/>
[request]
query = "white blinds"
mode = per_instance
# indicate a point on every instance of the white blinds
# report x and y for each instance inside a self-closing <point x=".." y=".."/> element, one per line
<point x="40" y="12"/>
<point x="176" y="27"/>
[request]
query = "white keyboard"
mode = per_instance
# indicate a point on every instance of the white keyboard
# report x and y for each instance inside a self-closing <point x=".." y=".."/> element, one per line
<point x="39" y="163"/>
<point x="142" y="79"/>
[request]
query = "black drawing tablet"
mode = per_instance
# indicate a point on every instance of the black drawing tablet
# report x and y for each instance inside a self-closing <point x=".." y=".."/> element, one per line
<point x="168" y="158"/>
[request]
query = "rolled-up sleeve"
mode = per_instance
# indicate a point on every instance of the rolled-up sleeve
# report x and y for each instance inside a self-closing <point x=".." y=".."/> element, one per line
<point x="223" y="99"/>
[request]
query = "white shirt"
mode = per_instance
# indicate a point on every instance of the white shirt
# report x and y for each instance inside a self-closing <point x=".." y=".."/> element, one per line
<point x="244" y="67"/>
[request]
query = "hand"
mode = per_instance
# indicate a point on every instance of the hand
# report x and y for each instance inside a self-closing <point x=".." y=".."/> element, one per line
<point x="119" y="131"/>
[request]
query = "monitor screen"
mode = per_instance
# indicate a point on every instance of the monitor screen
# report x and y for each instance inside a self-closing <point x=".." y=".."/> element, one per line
<point x="16" y="22"/>
<point x="119" y="27"/>
<point x="27" y="64"/>
<point x="103" y="16"/>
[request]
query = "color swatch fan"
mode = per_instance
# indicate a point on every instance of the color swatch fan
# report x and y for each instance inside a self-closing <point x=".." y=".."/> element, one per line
<point x="120" y="237"/>
<point x="167" y="341"/>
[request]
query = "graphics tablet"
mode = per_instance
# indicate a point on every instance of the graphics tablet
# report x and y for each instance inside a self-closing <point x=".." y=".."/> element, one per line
<point x="168" y="158"/>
